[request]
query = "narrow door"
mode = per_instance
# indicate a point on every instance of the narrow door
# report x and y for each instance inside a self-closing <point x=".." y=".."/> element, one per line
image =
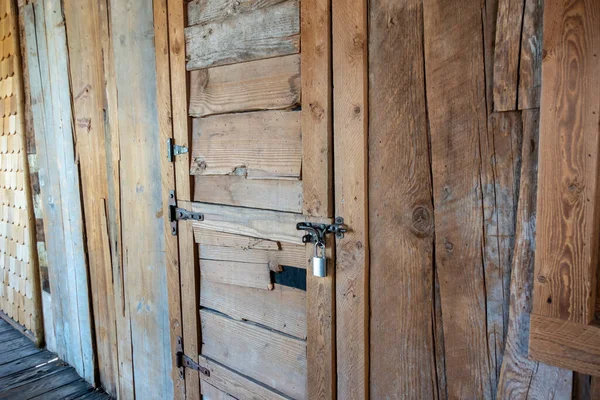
<point x="253" y="160"/>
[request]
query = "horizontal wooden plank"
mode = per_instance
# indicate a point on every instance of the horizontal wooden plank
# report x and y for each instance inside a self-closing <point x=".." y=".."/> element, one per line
<point x="271" y="225"/>
<point x="202" y="11"/>
<point x="215" y="238"/>
<point x="270" y="84"/>
<point x="269" y="194"/>
<point x="210" y="392"/>
<point x="235" y="384"/>
<point x="252" y="275"/>
<point x="277" y="360"/>
<point x="565" y="344"/>
<point x="262" y="33"/>
<point x="264" y="144"/>
<point x="289" y="254"/>
<point x="283" y="308"/>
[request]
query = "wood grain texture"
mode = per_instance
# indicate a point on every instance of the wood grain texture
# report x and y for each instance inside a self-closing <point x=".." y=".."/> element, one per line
<point x="282" y="309"/>
<point x="235" y="384"/>
<point x="210" y="392"/>
<point x="245" y="274"/>
<point x="202" y="11"/>
<point x="287" y="254"/>
<point x="530" y="63"/>
<point x="215" y="238"/>
<point x="566" y="344"/>
<point x="350" y="114"/>
<point x="264" y="32"/>
<point x="317" y="118"/>
<point x="507" y="52"/>
<point x="269" y="194"/>
<point x="257" y="85"/>
<point x="276" y="360"/>
<point x="258" y="145"/>
<point x="402" y="355"/>
<point x="568" y="211"/>
<point x="521" y="377"/>
<point x="455" y="83"/>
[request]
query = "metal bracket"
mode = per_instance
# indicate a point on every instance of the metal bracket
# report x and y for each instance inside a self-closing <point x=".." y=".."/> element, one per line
<point x="177" y="214"/>
<point x="316" y="232"/>
<point x="174" y="150"/>
<point x="184" y="361"/>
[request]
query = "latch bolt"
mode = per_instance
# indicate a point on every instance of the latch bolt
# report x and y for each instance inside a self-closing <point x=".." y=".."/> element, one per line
<point x="174" y="150"/>
<point x="178" y="214"/>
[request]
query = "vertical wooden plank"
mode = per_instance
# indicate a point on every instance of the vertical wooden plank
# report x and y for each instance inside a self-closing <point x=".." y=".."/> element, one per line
<point x="145" y="277"/>
<point x="163" y="85"/>
<point x="568" y="212"/>
<point x="402" y="355"/>
<point x="86" y="74"/>
<point x="506" y="61"/>
<point x="521" y="377"/>
<point x="349" y="33"/>
<point x="455" y="83"/>
<point x="530" y="63"/>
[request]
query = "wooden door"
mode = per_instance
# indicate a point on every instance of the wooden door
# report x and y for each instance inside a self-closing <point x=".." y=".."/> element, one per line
<point x="256" y="122"/>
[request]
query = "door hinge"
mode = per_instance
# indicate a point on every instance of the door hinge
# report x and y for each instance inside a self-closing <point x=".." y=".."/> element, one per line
<point x="184" y="361"/>
<point x="174" y="150"/>
<point x="178" y="214"/>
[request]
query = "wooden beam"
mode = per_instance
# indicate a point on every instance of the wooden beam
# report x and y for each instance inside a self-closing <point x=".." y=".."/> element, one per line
<point x="530" y="62"/>
<point x="350" y="104"/>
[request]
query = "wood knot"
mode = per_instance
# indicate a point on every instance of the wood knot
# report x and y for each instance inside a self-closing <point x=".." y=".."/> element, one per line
<point x="421" y="220"/>
<point x="317" y="111"/>
<point x="542" y="279"/>
<point x="449" y="246"/>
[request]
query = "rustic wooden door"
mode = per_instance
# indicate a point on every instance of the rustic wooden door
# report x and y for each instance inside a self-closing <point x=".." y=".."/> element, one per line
<point x="252" y="152"/>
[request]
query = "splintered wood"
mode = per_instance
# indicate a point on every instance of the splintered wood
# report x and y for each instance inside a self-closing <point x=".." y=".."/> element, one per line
<point x="19" y="285"/>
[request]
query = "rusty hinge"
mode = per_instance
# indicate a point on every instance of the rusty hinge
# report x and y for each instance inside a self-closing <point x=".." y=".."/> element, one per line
<point x="177" y="214"/>
<point x="184" y="361"/>
<point x="174" y="150"/>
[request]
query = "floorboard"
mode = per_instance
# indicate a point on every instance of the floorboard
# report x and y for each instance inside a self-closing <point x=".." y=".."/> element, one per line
<point x="28" y="372"/>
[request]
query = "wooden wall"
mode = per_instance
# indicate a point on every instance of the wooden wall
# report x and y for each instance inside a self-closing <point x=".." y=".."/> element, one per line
<point x="454" y="98"/>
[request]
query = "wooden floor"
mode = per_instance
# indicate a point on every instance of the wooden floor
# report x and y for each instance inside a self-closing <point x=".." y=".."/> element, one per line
<point x="27" y="372"/>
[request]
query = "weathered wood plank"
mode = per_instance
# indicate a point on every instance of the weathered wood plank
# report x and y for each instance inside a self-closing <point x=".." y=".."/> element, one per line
<point x="506" y="60"/>
<point x="25" y="363"/>
<point x="24" y="377"/>
<point x="19" y="353"/>
<point x="202" y="11"/>
<point x="210" y="392"/>
<point x="265" y="224"/>
<point x="244" y="274"/>
<point x="455" y="82"/>
<point x="283" y="308"/>
<point x="257" y="85"/>
<point x="400" y="212"/>
<point x="41" y="386"/>
<point x="235" y="384"/>
<point x="568" y="215"/>
<point x="530" y="63"/>
<point x="521" y="377"/>
<point x="350" y="121"/>
<point x="289" y="254"/>
<point x="71" y="391"/>
<point x="214" y="238"/>
<point x="265" y="144"/>
<point x="265" y="32"/>
<point x="276" y="360"/>
<point x="269" y="194"/>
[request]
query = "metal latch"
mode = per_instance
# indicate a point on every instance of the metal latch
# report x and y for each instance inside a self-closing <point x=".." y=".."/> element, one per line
<point x="316" y="232"/>
<point x="177" y="214"/>
<point x="174" y="150"/>
<point x="184" y="361"/>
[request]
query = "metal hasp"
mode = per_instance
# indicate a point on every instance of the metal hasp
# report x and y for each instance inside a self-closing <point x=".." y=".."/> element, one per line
<point x="177" y="214"/>
<point x="316" y="232"/>
<point x="184" y="361"/>
<point x="174" y="150"/>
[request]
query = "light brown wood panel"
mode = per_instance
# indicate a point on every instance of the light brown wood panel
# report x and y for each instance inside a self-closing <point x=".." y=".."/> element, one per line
<point x="289" y="254"/>
<point x="235" y="384"/>
<point x="402" y="354"/>
<point x="209" y="392"/>
<point x="269" y="194"/>
<point x="530" y="63"/>
<point x="246" y="274"/>
<point x="282" y="309"/>
<point x="455" y="83"/>
<point x="257" y="85"/>
<point x="263" y="33"/>
<point x="202" y="11"/>
<point x="520" y="376"/>
<point x="277" y="360"/>
<point x="264" y="144"/>
<point x="350" y="121"/>
<point x="215" y="238"/>
<point x="568" y="209"/>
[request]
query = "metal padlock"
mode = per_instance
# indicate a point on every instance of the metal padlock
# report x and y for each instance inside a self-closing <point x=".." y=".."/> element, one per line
<point x="319" y="263"/>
